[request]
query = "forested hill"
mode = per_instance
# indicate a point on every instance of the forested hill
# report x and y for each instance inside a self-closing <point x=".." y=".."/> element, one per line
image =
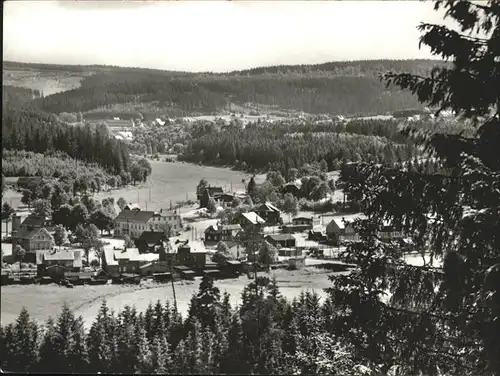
<point x="347" y="88"/>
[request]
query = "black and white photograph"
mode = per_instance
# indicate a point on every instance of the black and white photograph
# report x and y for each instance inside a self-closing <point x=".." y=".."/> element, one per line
<point x="251" y="187"/>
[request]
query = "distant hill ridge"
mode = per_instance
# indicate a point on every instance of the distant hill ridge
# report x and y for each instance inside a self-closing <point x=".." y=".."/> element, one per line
<point x="345" y="87"/>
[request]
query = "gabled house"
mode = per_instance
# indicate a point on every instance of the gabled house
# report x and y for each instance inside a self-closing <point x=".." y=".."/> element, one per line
<point x="134" y="222"/>
<point x="270" y="213"/>
<point x="128" y="261"/>
<point x="30" y="222"/>
<point x="150" y="241"/>
<point x="250" y="222"/>
<point x="281" y="240"/>
<point x="190" y="253"/>
<point x="306" y="221"/>
<point x="131" y="206"/>
<point x="58" y="263"/>
<point x="32" y="239"/>
<point x="217" y="233"/>
<point x="388" y="231"/>
<point x="171" y="217"/>
<point x="209" y="192"/>
<point x="316" y="235"/>
<point x="339" y="230"/>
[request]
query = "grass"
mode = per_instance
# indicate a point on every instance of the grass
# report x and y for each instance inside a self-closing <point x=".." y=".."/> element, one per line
<point x="172" y="182"/>
<point x="43" y="301"/>
<point x="50" y="82"/>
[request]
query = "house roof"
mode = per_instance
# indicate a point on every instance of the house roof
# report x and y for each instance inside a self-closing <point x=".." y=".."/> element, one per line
<point x="29" y="233"/>
<point x="302" y="218"/>
<point x="131" y="206"/>
<point x="196" y="246"/>
<point x="253" y="217"/>
<point x="125" y="254"/>
<point x="34" y="221"/>
<point x="218" y="228"/>
<point x="300" y="242"/>
<point x="109" y="257"/>
<point x="167" y="213"/>
<point x="139" y="216"/>
<point x="231" y="227"/>
<point x="151" y="237"/>
<point x="212" y="190"/>
<point x="281" y="237"/>
<point x="74" y="255"/>
<point x="145" y="257"/>
<point x="268" y="207"/>
<point x="339" y="222"/>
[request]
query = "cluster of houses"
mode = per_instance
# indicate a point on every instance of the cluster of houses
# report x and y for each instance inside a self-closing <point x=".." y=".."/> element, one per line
<point x="159" y="256"/>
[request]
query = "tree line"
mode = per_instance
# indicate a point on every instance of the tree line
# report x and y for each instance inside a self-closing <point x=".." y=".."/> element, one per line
<point x="37" y="132"/>
<point x="266" y="334"/>
<point x="344" y="88"/>
<point x="258" y="148"/>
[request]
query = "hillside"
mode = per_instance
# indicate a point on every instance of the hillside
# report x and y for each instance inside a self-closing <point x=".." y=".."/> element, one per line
<point x="348" y="88"/>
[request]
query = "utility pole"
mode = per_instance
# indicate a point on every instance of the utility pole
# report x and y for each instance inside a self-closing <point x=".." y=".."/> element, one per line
<point x="146" y="205"/>
<point x="149" y="194"/>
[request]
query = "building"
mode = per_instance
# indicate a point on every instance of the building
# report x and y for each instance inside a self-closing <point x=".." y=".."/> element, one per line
<point x="340" y="230"/>
<point x="155" y="267"/>
<point x="250" y="222"/>
<point x="270" y="213"/>
<point x="134" y="222"/>
<point x="304" y="221"/>
<point x="56" y="264"/>
<point x="26" y="181"/>
<point x="108" y="262"/>
<point x="388" y="231"/>
<point x="217" y="233"/>
<point x="131" y="206"/>
<point x="150" y="241"/>
<point x="32" y="239"/>
<point x="281" y="240"/>
<point x="316" y="235"/>
<point x="208" y="192"/>
<point x="31" y="221"/>
<point x="192" y="254"/>
<point x="126" y="261"/>
<point x="292" y="188"/>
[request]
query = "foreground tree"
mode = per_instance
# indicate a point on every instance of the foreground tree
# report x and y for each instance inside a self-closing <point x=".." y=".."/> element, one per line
<point x="436" y="320"/>
<point x="59" y="235"/>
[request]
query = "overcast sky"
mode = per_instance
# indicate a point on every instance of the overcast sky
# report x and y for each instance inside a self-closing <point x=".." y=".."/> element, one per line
<point x="212" y="35"/>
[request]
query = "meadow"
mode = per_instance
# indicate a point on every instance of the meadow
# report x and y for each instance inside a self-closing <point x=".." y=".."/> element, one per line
<point x="49" y="82"/>
<point x="44" y="301"/>
<point x="177" y="181"/>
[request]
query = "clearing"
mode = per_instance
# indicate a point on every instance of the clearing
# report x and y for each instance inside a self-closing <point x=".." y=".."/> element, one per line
<point x="43" y="301"/>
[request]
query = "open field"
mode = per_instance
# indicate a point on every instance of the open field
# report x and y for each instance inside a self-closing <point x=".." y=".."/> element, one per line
<point x="43" y="301"/>
<point x="49" y="82"/>
<point x="175" y="182"/>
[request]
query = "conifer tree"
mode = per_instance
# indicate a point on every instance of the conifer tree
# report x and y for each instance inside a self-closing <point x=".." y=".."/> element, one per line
<point x="24" y="344"/>
<point x="101" y="354"/>
<point x="437" y="319"/>
<point x="143" y="354"/>
<point x="234" y="361"/>
<point x="48" y="349"/>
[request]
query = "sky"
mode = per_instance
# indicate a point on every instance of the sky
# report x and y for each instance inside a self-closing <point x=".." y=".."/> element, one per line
<point x="215" y="36"/>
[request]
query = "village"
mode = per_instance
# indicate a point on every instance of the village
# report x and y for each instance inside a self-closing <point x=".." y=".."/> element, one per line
<point x="304" y="241"/>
